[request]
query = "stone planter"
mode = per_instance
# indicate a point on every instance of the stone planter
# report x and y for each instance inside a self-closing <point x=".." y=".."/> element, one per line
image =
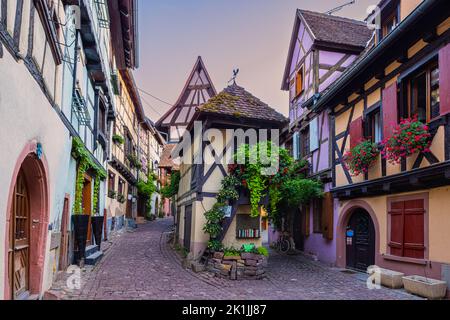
<point x="391" y="279"/>
<point x="247" y="266"/>
<point x="425" y="287"/>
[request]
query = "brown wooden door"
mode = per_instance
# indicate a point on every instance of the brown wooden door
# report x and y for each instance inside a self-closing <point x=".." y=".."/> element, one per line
<point x="187" y="227"/>
<point x="299" y="237"/>
<point x="360" y="241"/>
<point x="87" y="205"/>
<point x="19" y="251"/>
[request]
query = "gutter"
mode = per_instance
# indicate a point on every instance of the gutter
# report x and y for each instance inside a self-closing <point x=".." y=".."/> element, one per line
<point x="385" y="44"/>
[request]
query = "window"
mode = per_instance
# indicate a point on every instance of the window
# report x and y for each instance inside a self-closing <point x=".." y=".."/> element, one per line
<point x="121" y="190"/>
<point x="374" y="128"/>
<point x="423" y="94"/>
<point x="389" y="24"/>
<point x="102" y="118"/>
<point x="299" y="82"/>
<point x="128" y="143"/>
<point x="111" y="181"/>
<point x="407" y="228"/>
<point x="305" y="143"/>
<point x="314" y="135"/>
<point x="317" y="216"/>
<point x="296" y="146"/>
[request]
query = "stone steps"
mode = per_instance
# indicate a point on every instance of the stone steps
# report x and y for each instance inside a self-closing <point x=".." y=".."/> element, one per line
<point x="93" y="255"/>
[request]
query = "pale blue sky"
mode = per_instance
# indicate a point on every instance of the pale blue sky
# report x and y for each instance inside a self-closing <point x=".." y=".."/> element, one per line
<point x="253" y="35"/>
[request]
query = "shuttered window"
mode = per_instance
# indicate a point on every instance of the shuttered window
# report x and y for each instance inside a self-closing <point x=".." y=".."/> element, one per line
<point x="444" y="79"/>
<point x="356" y="132"/>
<point x="317" y="216"/>
<point x="390" y="110"/>
<point x="407" y="229"/>
<point x="299" y="82"/>
<point x="328" y="216"/>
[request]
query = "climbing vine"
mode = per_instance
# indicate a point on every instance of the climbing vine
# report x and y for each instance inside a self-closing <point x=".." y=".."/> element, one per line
<point x="85" y="162"/>
<point x="171" y="190"/>
<point x="148" y="188"/>
<point x="264" y="170"/>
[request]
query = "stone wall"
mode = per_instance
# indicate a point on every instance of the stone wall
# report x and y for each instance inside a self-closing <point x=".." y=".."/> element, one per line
<point x="246" y="266"/>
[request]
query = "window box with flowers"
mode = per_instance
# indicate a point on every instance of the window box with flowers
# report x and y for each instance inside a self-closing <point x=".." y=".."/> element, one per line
<point x="121" y="198"/>
<point x="118" y="139"/>
<point x="134" y="161"/>
<point x="361" y="157"/>
<point x="410" y="137"/>
<point x="112" y="194"/>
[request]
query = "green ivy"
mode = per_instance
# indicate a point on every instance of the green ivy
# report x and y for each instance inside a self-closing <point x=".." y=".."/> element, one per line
<point x="85" y="162"/>
<point x="171" y="190"/>
<point x="148" y="188"/>
<point x="118" y="139"/>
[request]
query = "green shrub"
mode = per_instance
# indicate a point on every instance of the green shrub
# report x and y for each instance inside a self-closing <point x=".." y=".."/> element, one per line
<point x="263" y="251"/>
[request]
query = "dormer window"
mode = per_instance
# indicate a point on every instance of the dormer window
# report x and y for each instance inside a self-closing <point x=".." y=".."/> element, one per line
<point x="390" y="18"/>
<point x="389" y="24"/>
<point x="299" y="82"/>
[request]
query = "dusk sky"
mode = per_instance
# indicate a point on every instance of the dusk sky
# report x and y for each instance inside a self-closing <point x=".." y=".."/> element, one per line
<point x="252" y="35"/>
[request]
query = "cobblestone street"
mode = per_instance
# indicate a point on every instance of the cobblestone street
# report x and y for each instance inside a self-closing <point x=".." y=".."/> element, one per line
<point x="140" y="265"/>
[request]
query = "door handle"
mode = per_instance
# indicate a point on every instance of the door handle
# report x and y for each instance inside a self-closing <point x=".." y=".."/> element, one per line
<point x="36" y="221"/>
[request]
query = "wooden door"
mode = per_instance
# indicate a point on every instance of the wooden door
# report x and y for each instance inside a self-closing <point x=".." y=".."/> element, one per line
<point x="64" y="247"/>
<point x="298" y="229"/>
<point x="360" y="241"/>
<point x="187" y="227"/>
<point x="87" y="205"/>
<point x="19" y="251"/>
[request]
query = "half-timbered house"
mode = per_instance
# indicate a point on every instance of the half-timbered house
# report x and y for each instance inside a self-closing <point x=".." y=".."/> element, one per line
<point x="204" y="164"/>
<point x="34" y="138"/>
<point x="395" y="215"/>
<point x="322" y="47"/>
<point x="198" y="89"/>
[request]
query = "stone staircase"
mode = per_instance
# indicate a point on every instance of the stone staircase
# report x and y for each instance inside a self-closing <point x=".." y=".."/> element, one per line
<point x="93" y="255"/>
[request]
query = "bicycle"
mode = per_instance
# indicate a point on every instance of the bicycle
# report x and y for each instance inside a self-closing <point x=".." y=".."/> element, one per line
<point x="284" y="243"/>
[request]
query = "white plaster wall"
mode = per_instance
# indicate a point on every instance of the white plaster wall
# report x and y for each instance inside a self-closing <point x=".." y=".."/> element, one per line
<point x="27" y="115"/>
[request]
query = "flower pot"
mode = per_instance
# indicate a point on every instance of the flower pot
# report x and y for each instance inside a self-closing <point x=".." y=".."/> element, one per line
<point x="425" y="287"/>
<point x="80" y="227"/>
<point x="97" y="229"/>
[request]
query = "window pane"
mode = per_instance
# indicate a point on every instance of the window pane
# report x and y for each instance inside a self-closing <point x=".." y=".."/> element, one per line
<point x="435" y="99"/>
<point x="314" y="134"/>
<point x="377" y="127"/>
<point x="419" y="97"/>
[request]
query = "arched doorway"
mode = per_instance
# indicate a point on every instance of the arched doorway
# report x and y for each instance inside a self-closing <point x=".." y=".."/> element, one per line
<point x="360" y="240"/>
<point x="27" y="225"/>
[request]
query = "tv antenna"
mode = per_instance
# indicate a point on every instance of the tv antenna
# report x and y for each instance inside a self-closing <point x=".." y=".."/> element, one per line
<point x="340" y="7"/>
<point x="235" y="74"/>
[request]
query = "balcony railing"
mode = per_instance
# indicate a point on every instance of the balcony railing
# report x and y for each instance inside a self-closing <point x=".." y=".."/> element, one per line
<point x="102" y="13"/>
<point x="79" y="108"/>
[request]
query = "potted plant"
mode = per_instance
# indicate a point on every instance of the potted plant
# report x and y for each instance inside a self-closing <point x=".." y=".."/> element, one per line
<point x="97" y="227"/>
<point x="97" y="219"/>
<point x="134" y="161"/>
<point x="360" y="158"/>
<point x="121" y="198"/>
<point x="425" y="287"/>
<point x="410" y="137"/>
<point x="118" y="139"/>
<point x="112" y="194"/>
<point x="80" y="220"/>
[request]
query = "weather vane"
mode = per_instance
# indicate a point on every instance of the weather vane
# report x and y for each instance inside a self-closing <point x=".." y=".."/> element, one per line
<point x="235" y="74"/>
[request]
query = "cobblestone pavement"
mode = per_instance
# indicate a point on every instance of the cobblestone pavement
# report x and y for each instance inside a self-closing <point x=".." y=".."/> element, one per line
<point x="141" y="265"/>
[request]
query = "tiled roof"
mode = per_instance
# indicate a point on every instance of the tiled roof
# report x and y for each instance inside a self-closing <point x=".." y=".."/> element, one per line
<point x="166" y="158"/>
<point x="235" y="101"/>
<point x="338" y="30"/>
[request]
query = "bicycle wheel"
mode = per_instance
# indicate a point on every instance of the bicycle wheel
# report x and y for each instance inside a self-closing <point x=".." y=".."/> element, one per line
<point x="285" y="245"/>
